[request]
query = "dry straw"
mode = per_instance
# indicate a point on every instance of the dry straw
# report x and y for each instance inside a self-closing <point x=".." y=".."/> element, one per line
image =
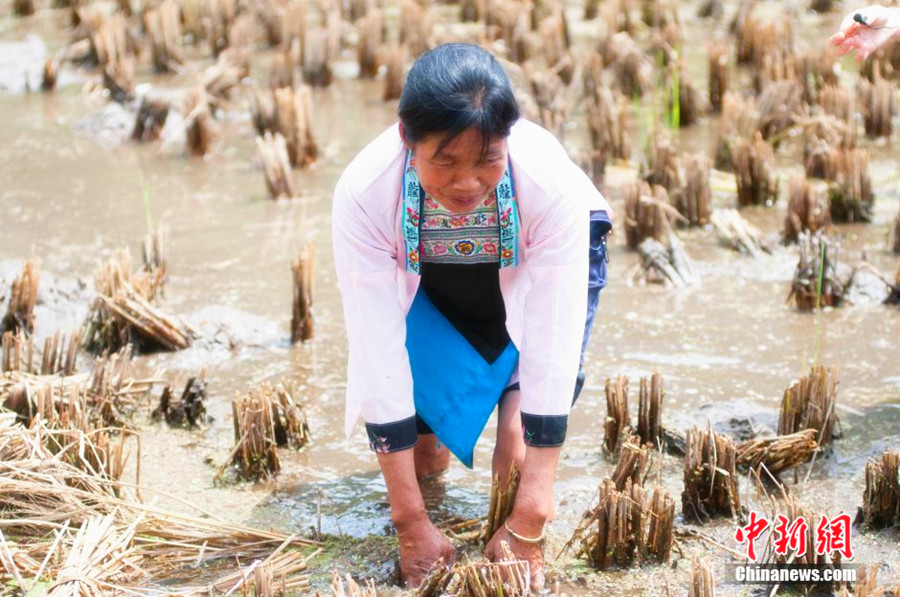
<point x="153" y="258"/>
<point x="894" y="236"/>
<point x="663" y="166"/>
<point x="809" y="403"/>
<point x="695" y="200"/>
<point x="894" y="296"/>
<point x="719" y="75"/>
<point x="163" y="26"/>
<point x="866" y="584"/>
<point x="788" y="507"/>
<point x="23" y="296"/>
<point x="703" y="582"/>
<point x="839" y="103"/>
<point x="618" y="423"/>
<point x="188" y="410"/>
<point x="710" y="476"/>
<point x="108" y="43"/>
<point x="254" y="452"/>
<point x="23" y="8"/>
<point x="816" y="284"/>
<point x="626" y="526"/>
<point x="739" y="234"/>
<point x="303" y="270"/>
<point x="607" y="120"/>
<point x="807" y="210"/>
<point x="92" y="533"/>
<point x="632" y="69"/>
<point x="509" y="577"/>
<point x="851" y="194"/>
<point x="692" y="105"/>
<point x="778" y="453"/>
<point x="666" y="264"/>
<point x="395" y="58"/>
<point x="282" y="70"/>
<point x="264" y="419"/>
<point x="60" y="354"/>
<point x="881" y="498"/>
<point x="277" y="166"/>
<point x="739" y="121"/>
<point x="502" y="499"/>
<point x="351" y="589"/>
<point x="416" y="27"/>
<point x="633" y="464"/>
<point x="816" y="71"/>
<point x="288" y="111"/>
<point x="17" y="352"/>
<point x="122" y="312"/>
<point x="831" y="134"/>
<point x="370" y="29"/>
<point x="320" y="47"/>
<point x="754" y="170"/>
<point x="551" y="97"/>
<point x="150" y="119"/>
<point x="777" y="66"/>
<point x="48" y="75"/>
<point x="105" y="394"/>
<point x="222" y="78"/>
<point x="648" y="213"/>
<point x="200" y="129"/>
<point x="757" y="37"/>
<point x="618" y="16"/>
<point x="879" y="106"/>
<point x="649" y="422"/>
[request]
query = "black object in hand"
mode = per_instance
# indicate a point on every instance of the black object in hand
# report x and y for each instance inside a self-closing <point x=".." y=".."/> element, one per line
<point x="859" y="18"/>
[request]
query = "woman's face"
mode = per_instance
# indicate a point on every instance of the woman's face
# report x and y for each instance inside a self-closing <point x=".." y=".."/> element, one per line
<point x="459" y="176"/>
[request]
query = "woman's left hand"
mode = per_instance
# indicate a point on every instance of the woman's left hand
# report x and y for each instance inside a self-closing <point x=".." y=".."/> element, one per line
<point x="532" y="553"/>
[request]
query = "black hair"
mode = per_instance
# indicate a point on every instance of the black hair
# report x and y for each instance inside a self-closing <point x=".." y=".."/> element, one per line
<point x="455" y="87"/>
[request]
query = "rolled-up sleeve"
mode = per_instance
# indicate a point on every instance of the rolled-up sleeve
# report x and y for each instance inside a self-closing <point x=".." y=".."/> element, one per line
<point x="553" y="326"/>
<point x="379" y="381"/>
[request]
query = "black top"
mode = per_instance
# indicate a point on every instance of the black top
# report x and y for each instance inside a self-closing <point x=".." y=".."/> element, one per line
<point x="468" y="295"/>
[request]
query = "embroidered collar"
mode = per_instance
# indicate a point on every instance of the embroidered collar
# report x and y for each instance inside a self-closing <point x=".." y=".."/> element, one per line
<point x="413" y="205"/>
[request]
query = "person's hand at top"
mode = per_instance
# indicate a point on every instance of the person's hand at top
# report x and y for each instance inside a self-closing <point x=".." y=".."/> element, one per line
<point x="867" y="29"/>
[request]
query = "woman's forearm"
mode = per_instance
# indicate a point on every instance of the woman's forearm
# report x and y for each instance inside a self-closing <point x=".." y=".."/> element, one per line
<point x="404" y="495"/>
<point x="534" y="500"/>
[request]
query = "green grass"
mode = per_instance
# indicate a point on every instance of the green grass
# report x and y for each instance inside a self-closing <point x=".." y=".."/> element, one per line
<point x="673" y="113"/>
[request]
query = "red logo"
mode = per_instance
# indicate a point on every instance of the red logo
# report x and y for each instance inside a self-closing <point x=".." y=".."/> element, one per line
<point x="834" y="535"/>
<point x="749" y="533"/>
<point x="791" y="535"/>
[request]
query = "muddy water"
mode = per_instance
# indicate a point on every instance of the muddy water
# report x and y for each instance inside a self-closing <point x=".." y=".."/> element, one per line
<point x="73" y="192"/>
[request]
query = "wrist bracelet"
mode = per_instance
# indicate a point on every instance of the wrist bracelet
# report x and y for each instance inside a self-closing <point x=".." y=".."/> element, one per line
<point x="518" y="537"/>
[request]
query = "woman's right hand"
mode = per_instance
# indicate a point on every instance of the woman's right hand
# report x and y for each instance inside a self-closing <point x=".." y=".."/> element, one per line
<point x="421" y="545"/>
<point x="881" y="24"/>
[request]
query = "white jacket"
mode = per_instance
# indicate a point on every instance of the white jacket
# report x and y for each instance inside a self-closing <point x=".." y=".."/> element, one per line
<point x="545" y="295"/>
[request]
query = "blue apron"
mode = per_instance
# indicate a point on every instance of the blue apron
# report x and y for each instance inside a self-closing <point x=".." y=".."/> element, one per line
<point x="455" y="389"/>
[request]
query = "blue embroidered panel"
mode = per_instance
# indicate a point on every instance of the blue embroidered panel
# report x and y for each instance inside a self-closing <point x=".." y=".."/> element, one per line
<point x="413" y="199"/>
